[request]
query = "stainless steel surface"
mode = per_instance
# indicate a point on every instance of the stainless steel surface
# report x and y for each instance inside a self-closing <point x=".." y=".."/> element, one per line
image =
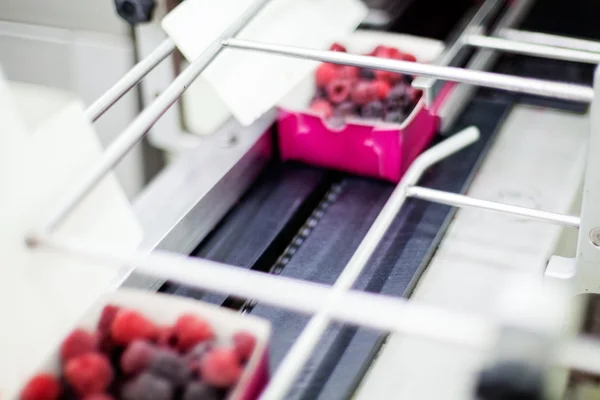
<point x="128" y="81"/>
<point x="309" y="338"/>
<point x="538" y="87"/>
<point x="458" y="200"/>
<point x="139" y="128"/>
<point x="531" y="49"/>
<point x="450" y="55"/>
<point x="185" y="202"/>
<point x="550" y="40"/>
<point x="482" y="60"/>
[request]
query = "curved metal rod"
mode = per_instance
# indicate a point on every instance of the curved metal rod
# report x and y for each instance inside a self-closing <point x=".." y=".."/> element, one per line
<point x="303" y="347"/>
<point x="565" y="91"/>
<point x="129" y="80"/>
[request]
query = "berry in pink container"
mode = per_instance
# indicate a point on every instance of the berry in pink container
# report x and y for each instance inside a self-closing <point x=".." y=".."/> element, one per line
<point x="138" y="345"/>
<point x="381" y="147"/>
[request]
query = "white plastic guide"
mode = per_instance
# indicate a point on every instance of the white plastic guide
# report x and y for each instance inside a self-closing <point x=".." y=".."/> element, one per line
<point x="46" y="142"/>
<point x="249" y="83"/>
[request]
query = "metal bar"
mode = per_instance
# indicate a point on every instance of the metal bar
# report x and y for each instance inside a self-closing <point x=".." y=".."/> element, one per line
<point x="450" y="54"/>
<point x="530" y="49"/>
<point x="135" y="74"/>
<point x="587" y="276"/>
<point x="550" y="40"/>
<point x="483" y="59"/>
<point x="288" y="293"/>
<point x="458" y="200"/>
<point x="139" y="128"/>
<point x="358" y="308"/>
<point x="538" y="87"/>
<point x="309" y="338"/>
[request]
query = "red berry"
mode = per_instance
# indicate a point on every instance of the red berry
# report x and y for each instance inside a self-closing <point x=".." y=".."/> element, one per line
<point x="409" y="57"/>
<point x="191" y="330"/>
<point x="363" y="93"/>
<point x="41" y="387"/>
<point x="338" y="90"/>
<point x="99" y="396"/>
<point x="349" y="72"/>
<point x="390" y="77"/>
<point x="137" y="356"/>
<point x="322" y="108"/>
<point x="89" y="374"/>
<point x="337" y="47"/>
<point x="382" y="88"/>
<point x="220" y="368"/>
<point x="244" y="343"/>
<point x="107" y="317"/>
<point x="166" y="337"/>
<point x="326" y="73"/>
<point x="77" y="343"/>
<point x="130" y="325"/>
<point x="380" y="51"/>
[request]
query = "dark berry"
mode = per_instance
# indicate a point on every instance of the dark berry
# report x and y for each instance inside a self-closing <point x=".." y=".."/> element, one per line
<point x="89" y="373"/>
<point x="99" y="396"/>
<point x="200" y="391"/>
<point x="394" y="116"/>
<point x="339" y="90"/>
<point x="199" y="351"/>
<point x="147" y="387"/>
<point x="346" y="109"/>
<point x="367" y="74"/>
<point x="373" y="110"/>
<point x="326" y="73"/>
<point x="191" y="330"/>
<point x="171" y="367"/>
<point x="77" y="343"/>
<point x="41" y="387"/>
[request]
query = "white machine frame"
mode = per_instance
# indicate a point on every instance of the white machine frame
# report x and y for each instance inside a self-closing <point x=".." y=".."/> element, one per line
<point x="325" y="302"/>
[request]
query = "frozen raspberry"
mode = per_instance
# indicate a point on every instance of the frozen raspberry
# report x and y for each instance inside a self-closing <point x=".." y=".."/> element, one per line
<point x="172" y="367"/>
<point x="220" y="368"/>
<point x="373" y="110"/>
<point x="130" y="325"/>
<point x="89" y="374"/>
<point x="346" y="109"/>
<point x="326" y="73"/>
<point x="394" y="54"/>
<point x="77" y="343"/>
<point x="99" y="396"/>
<point x="137" y="357"/>
<point x="166" y="337"/>
<point x="107" y="317"/>
<point x="337" y="47"/>
<point x="363" y="93"/>
<point x="200" y="391"/>
<point x="349" y="72"/>
<point x="322" y="108"/>
<point x="147" y="387"/>
<point x="41" y="387"/>
<point x="339" y="90"/>
<point x="380" y="51"/>
<point x="244" y="343"/>
<point x="390" y="77"/>
<point x="191" y="330"/>
<point x="408" y="57"/>
<point x="382" y="88"/>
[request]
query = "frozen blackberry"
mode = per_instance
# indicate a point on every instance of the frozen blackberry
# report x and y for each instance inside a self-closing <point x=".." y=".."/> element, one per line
<point x="373" y="110"/>
<point x="199" y="350"/>
<point x="367" y="74"/>
<point x="398" y="93"/>
<point x="396" y="116"/>
<point x="201" y="391"/>
<point x="147" y="387"/>
<point x="171" y="367"/>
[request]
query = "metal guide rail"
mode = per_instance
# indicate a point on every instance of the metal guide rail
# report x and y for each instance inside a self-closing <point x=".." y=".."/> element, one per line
<point x="325" y="302"/>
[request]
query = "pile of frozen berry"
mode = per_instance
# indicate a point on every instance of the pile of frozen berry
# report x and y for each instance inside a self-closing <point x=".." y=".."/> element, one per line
<point x="345" y="91"/>
<point x="129" y="357"/>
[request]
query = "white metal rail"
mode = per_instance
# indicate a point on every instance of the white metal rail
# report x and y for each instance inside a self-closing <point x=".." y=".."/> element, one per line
<point x="325" y="302"/>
